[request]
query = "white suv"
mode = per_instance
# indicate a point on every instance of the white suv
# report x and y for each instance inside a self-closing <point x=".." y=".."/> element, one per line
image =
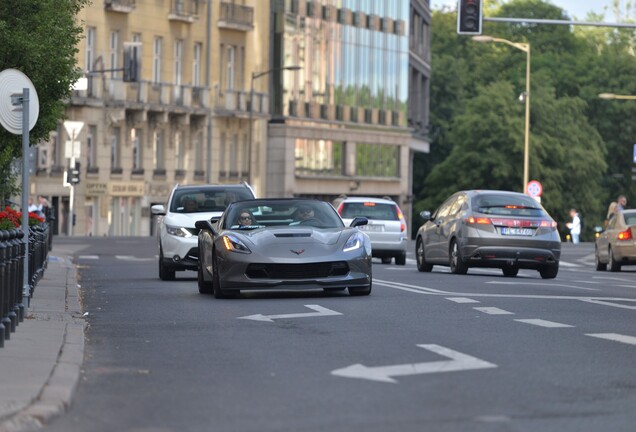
<point x="176" y="234"/>
<point x="386" y="227"/>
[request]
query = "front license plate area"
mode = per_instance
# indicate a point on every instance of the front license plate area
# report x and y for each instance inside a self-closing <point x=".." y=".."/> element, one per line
<point x="517" y="231"/>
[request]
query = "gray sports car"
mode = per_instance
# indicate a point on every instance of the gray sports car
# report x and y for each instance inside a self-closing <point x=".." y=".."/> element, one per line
<point x="288" y="244"/>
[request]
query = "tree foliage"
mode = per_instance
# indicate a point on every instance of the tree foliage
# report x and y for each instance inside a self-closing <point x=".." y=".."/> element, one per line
<point x="39" y="38"/>
<point x="580" y="145"/>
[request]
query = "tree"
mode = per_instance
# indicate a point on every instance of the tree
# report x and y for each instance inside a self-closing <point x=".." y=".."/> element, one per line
<point x="39" y="38"/>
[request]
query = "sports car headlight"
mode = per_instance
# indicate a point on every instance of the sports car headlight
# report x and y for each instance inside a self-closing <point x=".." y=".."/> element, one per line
<point x="233" y="244"/>
<point x="356" y="241"/>
<point x="178" y="231"/>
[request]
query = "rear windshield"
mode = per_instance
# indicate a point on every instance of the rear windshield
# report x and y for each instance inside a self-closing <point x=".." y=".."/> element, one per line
<point x="370" y="210"/>
<point x="207" y="199"/>
<point x="507" y="205"/>
<point x="630" y="218"/>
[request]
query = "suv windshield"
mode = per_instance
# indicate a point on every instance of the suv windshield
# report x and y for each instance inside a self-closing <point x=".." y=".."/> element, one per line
<point x="208" y="199"/>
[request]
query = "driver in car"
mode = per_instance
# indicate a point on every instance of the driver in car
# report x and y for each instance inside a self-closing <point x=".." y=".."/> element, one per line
<point x="303" y="213"/>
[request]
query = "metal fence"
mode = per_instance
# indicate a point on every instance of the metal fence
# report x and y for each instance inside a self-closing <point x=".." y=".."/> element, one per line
<point x="12" y="249"/>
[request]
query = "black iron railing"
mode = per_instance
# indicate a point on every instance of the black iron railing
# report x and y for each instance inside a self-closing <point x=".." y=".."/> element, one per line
<point x="12" y="284"/>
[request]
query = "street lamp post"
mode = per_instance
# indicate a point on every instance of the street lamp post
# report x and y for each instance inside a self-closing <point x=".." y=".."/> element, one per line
<point x="616" y="96"/>
<point x="525" y="47"/>
<point x="256" y="75"/>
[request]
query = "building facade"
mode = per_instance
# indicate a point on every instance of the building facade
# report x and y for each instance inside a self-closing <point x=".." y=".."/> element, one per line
<point x="297" y="97"/>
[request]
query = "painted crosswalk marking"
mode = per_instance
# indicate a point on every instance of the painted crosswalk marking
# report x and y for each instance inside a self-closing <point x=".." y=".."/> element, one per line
<point x="543" y="323"/>
<point x="631" y="340"/>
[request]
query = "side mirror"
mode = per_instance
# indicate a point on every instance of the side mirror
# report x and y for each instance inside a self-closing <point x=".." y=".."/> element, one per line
<point x="158" y="210"/>
<point x="426" y="215"/>
<point x="358" y="221"/>
<point x="205" y="225"/>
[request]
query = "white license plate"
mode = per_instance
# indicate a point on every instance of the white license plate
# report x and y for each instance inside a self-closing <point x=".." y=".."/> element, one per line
<point x="517" y="231"/>
<point x="375" y="228"/>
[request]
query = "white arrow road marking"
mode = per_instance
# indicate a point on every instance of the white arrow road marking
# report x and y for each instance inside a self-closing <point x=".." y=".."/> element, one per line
<point x="462" y="300"/>
<point x="458" y="362"/>
<point x="88" y="257"/>
<point x="614" y="337"/>
<point x="320" y="311"/>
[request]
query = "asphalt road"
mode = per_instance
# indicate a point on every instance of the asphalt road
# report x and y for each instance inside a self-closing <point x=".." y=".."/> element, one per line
<point x="424" y="352"/>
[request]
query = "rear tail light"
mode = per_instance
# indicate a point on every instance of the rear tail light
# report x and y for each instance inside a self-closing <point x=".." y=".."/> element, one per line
<point x="548" y="224"/>
<point x="401" y="218"/>
<point x="478" y="221"/>
<point x="625" y="235"/>
<point x="340" y="207"/>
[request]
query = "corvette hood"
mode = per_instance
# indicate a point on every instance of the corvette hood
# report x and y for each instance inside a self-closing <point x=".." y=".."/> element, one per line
<point x="187" y="220"/>
<point x="295" y="236"/>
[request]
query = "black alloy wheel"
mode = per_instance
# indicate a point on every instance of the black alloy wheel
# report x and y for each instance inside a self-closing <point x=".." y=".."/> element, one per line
<point x="422" y="265"/>
<point x="457" y="265"/>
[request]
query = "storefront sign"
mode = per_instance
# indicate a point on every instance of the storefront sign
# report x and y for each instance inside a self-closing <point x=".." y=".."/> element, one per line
<point x="95" y="188"/>
<point x="126" y="189"/>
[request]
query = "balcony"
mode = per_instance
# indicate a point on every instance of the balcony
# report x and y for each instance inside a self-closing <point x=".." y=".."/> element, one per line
<point x="123" y="6"/>
<point x="236" y="17"/>
<point x="184" y="10"/>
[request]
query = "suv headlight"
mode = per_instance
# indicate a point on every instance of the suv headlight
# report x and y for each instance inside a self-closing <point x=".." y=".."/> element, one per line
<point x="178" y="231"/>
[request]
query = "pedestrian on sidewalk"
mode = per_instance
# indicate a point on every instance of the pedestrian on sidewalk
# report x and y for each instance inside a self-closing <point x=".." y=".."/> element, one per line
<point x="574" y="226"/>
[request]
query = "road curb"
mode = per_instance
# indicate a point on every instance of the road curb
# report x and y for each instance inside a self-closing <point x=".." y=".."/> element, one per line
<point x="57" y="392"/>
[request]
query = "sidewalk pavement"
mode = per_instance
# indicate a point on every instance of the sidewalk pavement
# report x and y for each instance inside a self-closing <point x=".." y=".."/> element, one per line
<point x="40" y="365"/>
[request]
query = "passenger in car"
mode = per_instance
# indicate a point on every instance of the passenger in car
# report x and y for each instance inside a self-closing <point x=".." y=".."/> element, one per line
<point x="245" y="218"/>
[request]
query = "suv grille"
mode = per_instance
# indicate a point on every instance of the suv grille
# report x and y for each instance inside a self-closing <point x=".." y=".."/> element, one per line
<point x="297" y="271"/>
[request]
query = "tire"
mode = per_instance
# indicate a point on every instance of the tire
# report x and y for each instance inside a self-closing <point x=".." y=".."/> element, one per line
<point x="219" y="293"/>
<point x="386" y="260"/>
<point x="549" y="272"/>
<point x="600" y="266"/>
<point x="457" y="266"/>
<point x="165" y="273"/>
<point x="614" y="265"/>
<point x="422" y="265"/>
<point x="205" y="287"/>
<point x="510" y="271"/>
<point x="401" y="259"/>
<point x="357" y="291"/>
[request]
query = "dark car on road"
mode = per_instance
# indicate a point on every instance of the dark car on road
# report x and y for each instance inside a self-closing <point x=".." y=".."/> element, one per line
<point x="489" y="228"/>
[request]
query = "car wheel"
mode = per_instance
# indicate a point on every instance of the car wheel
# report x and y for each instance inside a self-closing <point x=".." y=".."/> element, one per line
<point x="422" y="265"/>
<point x="549" y="272"/>
<point x="401" y="259"/>
<point x="360" y="291"/>
<point x="219" y="293"/>
<point x="615" y="266"/>
<point x="205" y="287"/>
<point x="510" y="271"/>
<point x="165" y="273"/>
<point x="457" y="266"/>
<point x="386" y="260"/>
<point x="600" y="266"/>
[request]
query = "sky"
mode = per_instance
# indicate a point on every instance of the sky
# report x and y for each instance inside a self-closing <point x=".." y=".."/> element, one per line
<point x="577" y="8"/>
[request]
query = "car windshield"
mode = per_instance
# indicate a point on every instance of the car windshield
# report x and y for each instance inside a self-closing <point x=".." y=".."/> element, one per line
<point x="192" y="200"/>
<point x="507" y="205"/>
<point x="254" y="214"/>
<point x="370" y="210"/>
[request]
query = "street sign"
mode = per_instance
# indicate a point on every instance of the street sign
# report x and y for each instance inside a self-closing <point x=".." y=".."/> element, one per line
<point x="73" y="128"/>
<point x="634" y="153"/>
<point x="72" y="149"/>
<point x="534" y="188"/>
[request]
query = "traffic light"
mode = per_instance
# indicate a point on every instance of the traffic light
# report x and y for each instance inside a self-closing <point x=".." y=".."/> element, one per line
<point x="74" y="174"/>
<point x="132" y="61"/>
<point x="469" y="17"/>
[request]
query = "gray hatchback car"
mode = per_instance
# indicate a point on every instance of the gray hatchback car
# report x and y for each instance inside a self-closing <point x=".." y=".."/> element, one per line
<point x="489" y="228"/>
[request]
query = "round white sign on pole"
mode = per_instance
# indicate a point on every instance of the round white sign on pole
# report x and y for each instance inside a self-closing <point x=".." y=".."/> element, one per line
<point x="534" y="188"/>
<point x="12" y="83"/>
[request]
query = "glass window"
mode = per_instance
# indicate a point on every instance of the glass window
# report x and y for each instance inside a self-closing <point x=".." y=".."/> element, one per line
<point x="156" y="60"/>
<point x="319" y="157"/>
<point x="377" y="160"/>
<point x="503" y="204"/>
<point x="115" y="157"/>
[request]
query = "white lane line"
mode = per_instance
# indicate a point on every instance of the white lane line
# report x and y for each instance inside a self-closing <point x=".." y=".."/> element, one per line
<point x="132" y="258"/>
<point x="462" y="300"/>
<point x="610" y="303"/>
<point x="627" y="286"/>
<point x="567" y="264"/>
<point x="631" y="340"/>
<point x="88" y="257"/>
<point x="612" y="278"/>
<point x="543" y="323"/>
<point x="493" y="311"/>
<point x="587" y="282"/>
<point x="543" y="284"/>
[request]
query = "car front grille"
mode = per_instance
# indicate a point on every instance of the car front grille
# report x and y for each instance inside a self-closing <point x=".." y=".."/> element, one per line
<point x="297" y="271"/>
